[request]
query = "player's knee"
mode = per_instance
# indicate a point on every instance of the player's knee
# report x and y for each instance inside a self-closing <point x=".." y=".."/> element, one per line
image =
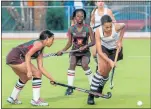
<point x="72" y="65"/>
<point x="103" y="72"/>
<point x="24" y="79"/>
<point x="37" y="74"/>
<point x="85" y="66"/>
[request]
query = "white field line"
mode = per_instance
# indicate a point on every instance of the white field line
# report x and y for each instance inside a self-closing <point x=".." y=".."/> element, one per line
<point x="63" y="35"/>
<point x="139" y="56"/>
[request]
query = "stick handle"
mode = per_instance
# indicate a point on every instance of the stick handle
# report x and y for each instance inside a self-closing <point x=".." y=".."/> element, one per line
<point x="71" y="51"/>
<point x="116" y="55"/>
<point x="64" y="85"/>
<point x="55" y="54"/>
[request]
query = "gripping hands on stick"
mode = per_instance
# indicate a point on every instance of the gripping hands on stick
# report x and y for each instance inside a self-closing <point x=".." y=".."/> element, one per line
<point x="59" y="54"/>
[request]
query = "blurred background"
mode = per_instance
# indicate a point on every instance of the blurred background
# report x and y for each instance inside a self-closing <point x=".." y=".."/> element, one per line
<point x="31" y="16"/>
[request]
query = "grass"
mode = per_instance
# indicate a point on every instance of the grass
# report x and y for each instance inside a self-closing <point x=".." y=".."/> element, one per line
<point x="132" y="79"/>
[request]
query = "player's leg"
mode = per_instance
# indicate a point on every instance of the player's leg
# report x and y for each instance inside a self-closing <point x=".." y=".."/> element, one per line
<point x="104" y="71"/>
<point x="85" y="62"/>
<point x="94" y="54"/>
<point x="36" y="85"/>
<point x="99" y="79"/>
<point x="20" y="70"/>
<point x="71" y="74"/>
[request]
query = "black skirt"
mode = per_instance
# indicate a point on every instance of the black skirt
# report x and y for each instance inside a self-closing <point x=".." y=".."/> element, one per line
<point x="111" y="53"/>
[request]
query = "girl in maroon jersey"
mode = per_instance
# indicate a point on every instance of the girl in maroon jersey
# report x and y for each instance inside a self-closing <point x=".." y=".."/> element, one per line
<point x="78" y="36"/>
<point x="19" y="59"/>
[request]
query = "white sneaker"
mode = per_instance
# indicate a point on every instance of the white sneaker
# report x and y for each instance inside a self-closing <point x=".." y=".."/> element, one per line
<point x="12" y="101"/>
<point x="39" y="102"/>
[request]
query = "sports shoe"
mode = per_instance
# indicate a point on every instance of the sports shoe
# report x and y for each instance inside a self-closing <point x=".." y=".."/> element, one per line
<point x="90" y="100"/>
<point x="12" y="101"/>
<point x="39" y="102"/>
<point x="69" y="91"/>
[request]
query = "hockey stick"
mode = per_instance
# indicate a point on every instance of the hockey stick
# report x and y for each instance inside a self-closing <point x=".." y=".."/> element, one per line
<point x="113" y="69"/>
<point x="95" y="26"/>
<point x="55" y="54"/>
<point x="107" y="96"/>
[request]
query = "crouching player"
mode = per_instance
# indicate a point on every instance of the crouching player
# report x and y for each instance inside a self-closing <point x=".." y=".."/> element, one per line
<point x="107" y="42"/>
<point x="19" y="59"/>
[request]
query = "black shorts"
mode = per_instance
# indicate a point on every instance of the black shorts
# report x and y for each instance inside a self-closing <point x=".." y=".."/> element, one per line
<point x="79" y="58"/>
<point x="15" y="57"/>
<point x="111" y="53"/>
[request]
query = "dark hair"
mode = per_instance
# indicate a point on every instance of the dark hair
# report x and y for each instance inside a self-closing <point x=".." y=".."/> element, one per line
<point x="105" y="19"/>
<point x="45" y="34"/>
<point x="77" y="10"/>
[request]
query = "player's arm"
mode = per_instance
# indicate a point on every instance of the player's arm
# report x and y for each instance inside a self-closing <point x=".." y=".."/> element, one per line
<point x="69" y="43"/>
<point x="120" y="27"/>
<point x="111" y="15"/>
<point x="37" y="46"/>
<point x="92" y="20"/>
<point x="42" y="69"/>
<point x="92" y="43"/>
<point x="99" y="48"/>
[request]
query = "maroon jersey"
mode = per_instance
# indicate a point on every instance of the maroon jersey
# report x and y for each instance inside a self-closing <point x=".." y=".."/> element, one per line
<point x="17" y="54"/>
<point x="79" y="38"/>
<point x="24" y="48"/>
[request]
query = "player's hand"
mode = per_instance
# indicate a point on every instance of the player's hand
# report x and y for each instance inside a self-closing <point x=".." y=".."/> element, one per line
<point x="83" y="48"/>
<point x="112" y="63"/>
<point x="119" y="45"/>
<point x="29" y="75"/>
<point x="59" y="53"/>
<point x="52" y="83"/>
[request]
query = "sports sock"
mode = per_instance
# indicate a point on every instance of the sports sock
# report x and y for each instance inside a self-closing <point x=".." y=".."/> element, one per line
<point x="36" y="85"/>
<point x="71" y="75"/>
<point x="18" y="87"/>
<point x="89" y="75"/>
<point x="98" y="82"/>
<point x="102" y="83"/>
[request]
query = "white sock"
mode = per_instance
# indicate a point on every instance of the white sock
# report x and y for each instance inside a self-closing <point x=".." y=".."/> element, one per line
<point x="36" y="84"/>
<point x="18" y="87"/>
<point x="89" y="75"/>
<point x="71" y="75"/>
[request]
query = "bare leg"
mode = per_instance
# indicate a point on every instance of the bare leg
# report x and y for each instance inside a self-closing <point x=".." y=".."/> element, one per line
<point x="20" y="71"/>
<point x="71" y="74"/>
<point x="86" y="68"/>
<point x="99" y="79"/>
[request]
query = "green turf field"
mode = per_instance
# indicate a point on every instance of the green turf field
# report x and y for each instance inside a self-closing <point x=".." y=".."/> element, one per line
<point x="132" y="79"/>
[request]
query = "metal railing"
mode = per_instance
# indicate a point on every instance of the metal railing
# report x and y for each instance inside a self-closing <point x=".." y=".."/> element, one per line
<point x="57" y="18"/>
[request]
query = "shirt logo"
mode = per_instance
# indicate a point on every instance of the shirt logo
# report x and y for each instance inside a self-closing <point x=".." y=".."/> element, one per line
<point x="80" y="41"/>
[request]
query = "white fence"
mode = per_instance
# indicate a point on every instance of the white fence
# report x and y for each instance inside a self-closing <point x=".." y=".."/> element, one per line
<point x="63" y="35"/>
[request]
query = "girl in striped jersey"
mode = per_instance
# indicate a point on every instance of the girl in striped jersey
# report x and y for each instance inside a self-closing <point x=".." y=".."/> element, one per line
<point x="96" y="15"/>
<point x="19" y="59"/>
<point x="108" y="38"/>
